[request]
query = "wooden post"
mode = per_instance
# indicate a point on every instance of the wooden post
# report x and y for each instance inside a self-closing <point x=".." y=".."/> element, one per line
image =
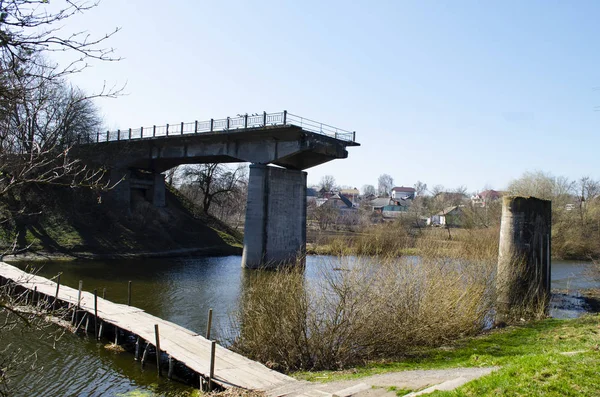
<point x="171" y="367"/>
<point x="213" y="347"/>
<point x="56" y="294"/>
<point x="129" y="293"/>
<point x="76" y="311"/>
<point x="87" y="324"/>
<point x="116" y="335"/>
<point x="145" y="354"/>
<point x="104" y="293"/>
<point x="81" y="322"/>
<point x="136" y="356"/>
<point x="96" y="313"/>
<point x="101" y="329"/>
<point x="209" y="324"/>
<point x="157" y="349"/>
<point x="34" y="297"/>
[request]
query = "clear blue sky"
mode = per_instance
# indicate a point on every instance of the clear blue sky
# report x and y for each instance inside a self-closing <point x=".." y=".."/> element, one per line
<point x="452" y="93"/>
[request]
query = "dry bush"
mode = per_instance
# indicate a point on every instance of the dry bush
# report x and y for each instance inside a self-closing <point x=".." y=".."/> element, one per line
<point x="361" y="311"/>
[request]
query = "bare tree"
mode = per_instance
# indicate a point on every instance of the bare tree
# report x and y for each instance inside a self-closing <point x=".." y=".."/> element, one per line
<point x="385" y="183"/>
<point x="420" y="188"/>
<point x="214" y="183"/>
<point x="368" y="190"/>
<point x="327" y="183"/>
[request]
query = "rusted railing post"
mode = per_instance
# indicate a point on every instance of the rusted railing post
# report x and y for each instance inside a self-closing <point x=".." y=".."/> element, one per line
<point x="246" y="120"/>
<point x="107" y="136"/>
<point x="118" y="135"/>
<point x="264" y="119"/>
<point x="167" y="129"/>
<point x="130" y="133"/>
<point x="212" y="123"/>
<point x="196" y="127"/>
<point x="285" y="117"/>
<point x="154" y="130"/>
<point x="182" y="128"/>
<point x="227" y="123"/>
<point x="141" y="132"/>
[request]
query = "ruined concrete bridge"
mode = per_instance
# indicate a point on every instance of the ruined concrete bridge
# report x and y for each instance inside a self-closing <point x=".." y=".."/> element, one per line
<point x="275" y="228"/>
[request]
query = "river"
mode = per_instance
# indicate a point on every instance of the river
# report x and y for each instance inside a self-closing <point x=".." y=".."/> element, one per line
<point x="179" y="290"/>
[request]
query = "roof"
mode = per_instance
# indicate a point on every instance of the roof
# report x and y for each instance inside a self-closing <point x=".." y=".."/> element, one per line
<point x="380" y="202"/>
<point x="310" y="192"/>
<point x="350" y="192"/>
<point x="343" y="199"/>
<point x="448" y="210"/>
<point x="490" y="194"/>
<point x="403" y="189"/>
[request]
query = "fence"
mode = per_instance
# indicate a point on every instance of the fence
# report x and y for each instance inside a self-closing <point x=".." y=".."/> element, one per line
<point x="241" y="122"/>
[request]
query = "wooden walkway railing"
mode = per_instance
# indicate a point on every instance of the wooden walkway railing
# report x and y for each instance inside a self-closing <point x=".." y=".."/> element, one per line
<point x="180" y="344"/>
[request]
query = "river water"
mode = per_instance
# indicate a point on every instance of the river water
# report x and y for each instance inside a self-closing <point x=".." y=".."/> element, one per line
<point x="180" y="290"/>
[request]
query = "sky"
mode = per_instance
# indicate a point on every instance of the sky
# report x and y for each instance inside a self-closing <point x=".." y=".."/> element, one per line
<point x="455" y="93"/>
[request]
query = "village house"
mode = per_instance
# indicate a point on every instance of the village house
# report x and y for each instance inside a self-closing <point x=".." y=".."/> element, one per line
<point x="449" y="216"/>
<point x="484" y="198"/>
<point x="403" y="193"/>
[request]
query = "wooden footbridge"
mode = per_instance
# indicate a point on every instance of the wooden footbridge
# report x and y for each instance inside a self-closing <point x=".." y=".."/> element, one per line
<point x="181" y="345"/>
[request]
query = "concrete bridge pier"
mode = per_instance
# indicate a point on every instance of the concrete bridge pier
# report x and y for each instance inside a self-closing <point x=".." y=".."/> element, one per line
<point x="275" y="229"/>
<point x="151" y="184"/>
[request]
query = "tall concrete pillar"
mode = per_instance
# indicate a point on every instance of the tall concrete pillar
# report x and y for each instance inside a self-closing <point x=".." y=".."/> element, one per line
<point x="158" y="191"/>
<point x="275" y="229"/>
<point x="121" y="192"/>
<point x="524" y="265"/>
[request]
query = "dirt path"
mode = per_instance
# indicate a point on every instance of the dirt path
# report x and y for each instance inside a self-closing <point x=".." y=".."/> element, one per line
<point x="422" y="381"/>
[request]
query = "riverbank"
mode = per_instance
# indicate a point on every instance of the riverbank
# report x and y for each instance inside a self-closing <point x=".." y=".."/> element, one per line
<point x="70" y="225"/>
<point x="177" y="253"/>
<point x="548" y="357"/>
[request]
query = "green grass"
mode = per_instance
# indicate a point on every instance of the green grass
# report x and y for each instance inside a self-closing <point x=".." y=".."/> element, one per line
<point x="529" y="357"/>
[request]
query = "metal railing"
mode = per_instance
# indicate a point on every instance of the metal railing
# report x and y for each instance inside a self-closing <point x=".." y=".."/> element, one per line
<point x="229" y="124"/>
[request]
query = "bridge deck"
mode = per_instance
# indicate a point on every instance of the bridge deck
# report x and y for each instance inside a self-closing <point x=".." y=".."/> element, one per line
<point x="185" y="346"/>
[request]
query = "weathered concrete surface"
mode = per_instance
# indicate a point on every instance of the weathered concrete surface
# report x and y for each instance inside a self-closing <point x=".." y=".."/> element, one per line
<point x="288" y="146"/>
<point x="524" y="262"/>
<point x="275" y="228"/>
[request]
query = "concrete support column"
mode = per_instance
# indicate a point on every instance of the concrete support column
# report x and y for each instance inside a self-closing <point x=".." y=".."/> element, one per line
<point x="275" y="229"/>
<point x="159" y="191"/>
<point x="121" y="193"/>
<point x="524" y="265"/>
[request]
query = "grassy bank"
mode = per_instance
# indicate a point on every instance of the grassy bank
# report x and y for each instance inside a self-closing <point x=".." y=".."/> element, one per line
<point x="531" y="358"/>
<point x="60" y="222"/>
<point x="395" y="239"/>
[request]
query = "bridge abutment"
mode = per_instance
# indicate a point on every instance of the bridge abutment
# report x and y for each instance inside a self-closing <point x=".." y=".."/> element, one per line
<point x="275" y="229"/>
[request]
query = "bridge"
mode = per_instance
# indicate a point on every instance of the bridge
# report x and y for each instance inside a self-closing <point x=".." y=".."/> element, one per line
<point x="279" y="146"/>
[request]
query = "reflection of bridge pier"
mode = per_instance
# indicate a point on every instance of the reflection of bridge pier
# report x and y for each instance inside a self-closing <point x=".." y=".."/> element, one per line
<point x="275" y="229"/>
